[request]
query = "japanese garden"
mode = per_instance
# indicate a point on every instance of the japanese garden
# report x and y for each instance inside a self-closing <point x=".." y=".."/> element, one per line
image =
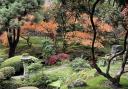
<point x="63" y="44"/>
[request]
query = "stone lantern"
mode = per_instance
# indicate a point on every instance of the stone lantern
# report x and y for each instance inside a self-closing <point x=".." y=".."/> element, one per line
<point x="26" y="60"/>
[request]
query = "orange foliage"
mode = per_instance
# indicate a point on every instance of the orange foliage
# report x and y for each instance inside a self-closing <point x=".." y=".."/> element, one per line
<point x="81" y="37"/>
<point x="102" y="26"/>
<point x="50" y="27"/>
<point x="4" y="39"/>
<point x="85" y="38"/>
<point x="45" y="27"/>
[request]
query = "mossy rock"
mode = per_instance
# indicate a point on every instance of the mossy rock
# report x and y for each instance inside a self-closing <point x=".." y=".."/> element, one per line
<point x="29" y="87"/>
<point x="16" y="63"/>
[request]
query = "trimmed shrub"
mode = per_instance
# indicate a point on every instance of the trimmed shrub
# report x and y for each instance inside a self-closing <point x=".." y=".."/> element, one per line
<point x="63" y="56"/>
<point x="79" y="64"/>
<point x="1" y="76"/>
<point x="37" y="79"/>
<point x="15" y="62"/>
<point x="58" y="58"/>
<point x="7" y="72"/>
<point x="52" y="60"/>
<point x="34" y="67"/>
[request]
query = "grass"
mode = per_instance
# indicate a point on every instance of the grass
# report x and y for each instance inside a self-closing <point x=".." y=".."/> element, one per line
<point x="61" y="71"/>
<point x="97" y="82"/>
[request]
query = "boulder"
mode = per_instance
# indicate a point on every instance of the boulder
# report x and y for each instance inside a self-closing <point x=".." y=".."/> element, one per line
<point x="77" y="83"/>
<point x="116" y="49"/>
<point x="29" y="87"/>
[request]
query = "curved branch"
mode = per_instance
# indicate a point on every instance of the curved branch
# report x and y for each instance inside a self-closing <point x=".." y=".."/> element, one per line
<point x="120" y="53"/>
<point x="94" y="29"/>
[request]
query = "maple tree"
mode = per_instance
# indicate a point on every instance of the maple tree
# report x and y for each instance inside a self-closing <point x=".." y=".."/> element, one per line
<point x="95" y="33"/>
<point x="85" y="37"/>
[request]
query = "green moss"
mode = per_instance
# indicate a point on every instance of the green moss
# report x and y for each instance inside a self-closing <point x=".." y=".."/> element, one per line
<point x="15" y="62"/>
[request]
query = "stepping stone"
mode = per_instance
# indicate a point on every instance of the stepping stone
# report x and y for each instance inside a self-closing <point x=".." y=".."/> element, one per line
<point x="29" y="87"/>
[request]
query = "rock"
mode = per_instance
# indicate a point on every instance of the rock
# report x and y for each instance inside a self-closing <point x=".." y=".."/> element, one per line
<point x="77" y="83"/>
<point x="29" y="87"/>
<point x="116" y="49"/>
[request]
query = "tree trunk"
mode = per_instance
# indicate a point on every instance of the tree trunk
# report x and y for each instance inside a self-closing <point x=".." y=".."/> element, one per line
<point x="13" y="39"/>
<point x="11" y="51"/>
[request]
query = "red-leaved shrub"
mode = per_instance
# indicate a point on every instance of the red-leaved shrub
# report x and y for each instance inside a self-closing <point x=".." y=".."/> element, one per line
<point x="63" y="56"/>
<point x="59" y="57"/>
<point x="52" y="60"/>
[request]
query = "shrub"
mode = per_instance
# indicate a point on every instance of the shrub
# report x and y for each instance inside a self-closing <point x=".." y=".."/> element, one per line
<point x="58" y="58"/>
<point x="37" y="79"/>
<point x="34" y="67"/>
<point x="1" y="76"/>
<point x="79" y="64"/>
<point x="52" y="60"/>
<point x="63" y="56"/>
<point x="7" y="72"/>
<point x="15" y="62"/>
<point x="47" y="47"/>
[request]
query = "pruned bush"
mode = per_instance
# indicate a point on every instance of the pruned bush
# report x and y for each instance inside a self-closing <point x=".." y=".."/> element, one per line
<point x="15" y="62"/>
<point x="7" y="72"/>
<point x="79" y="64"/>
<point x="37" y="79"/>
<point x="58" y="58"/>
<point x="34" y="67"/>
<point x="1" y="76"/>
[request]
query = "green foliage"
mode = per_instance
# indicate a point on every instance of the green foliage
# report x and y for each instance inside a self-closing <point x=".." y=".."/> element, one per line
<point x="1" y="76"/>
<point x="34" y="67"/>
<point x="79" y="64"/>
<point x="56" y="84"/>
<point x="47" y="47"/>
<point x="8" y="72"/>
<point x="15" y="62"/>
<point x="37" y="79"/>
<point x="15" y="8"/>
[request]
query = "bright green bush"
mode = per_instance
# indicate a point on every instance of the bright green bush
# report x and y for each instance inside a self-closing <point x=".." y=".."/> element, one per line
<point x="79" y="64"/>
<point x="37" y="79"/>
<point x="15" y="62"/>
<point x="34" y="67"/>
<point x="7" y="72"/>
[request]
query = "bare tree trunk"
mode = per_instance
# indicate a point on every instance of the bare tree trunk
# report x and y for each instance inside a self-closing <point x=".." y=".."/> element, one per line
<point x="13" y="38"/>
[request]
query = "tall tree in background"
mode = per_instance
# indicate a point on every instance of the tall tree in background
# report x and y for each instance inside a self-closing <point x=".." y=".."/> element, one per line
<point x="11" y="13"/>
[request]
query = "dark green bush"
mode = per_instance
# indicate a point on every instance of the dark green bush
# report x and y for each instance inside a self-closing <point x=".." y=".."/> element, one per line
<point x="7" y="72"/>
<point x="79" y="64"/>
<point x="15" y="62"/>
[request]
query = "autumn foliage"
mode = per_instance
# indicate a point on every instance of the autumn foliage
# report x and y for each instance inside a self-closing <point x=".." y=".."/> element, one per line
<point x="4" y="39"/>
<point x="49" y="28"/>
<point x="85" y="38"/>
